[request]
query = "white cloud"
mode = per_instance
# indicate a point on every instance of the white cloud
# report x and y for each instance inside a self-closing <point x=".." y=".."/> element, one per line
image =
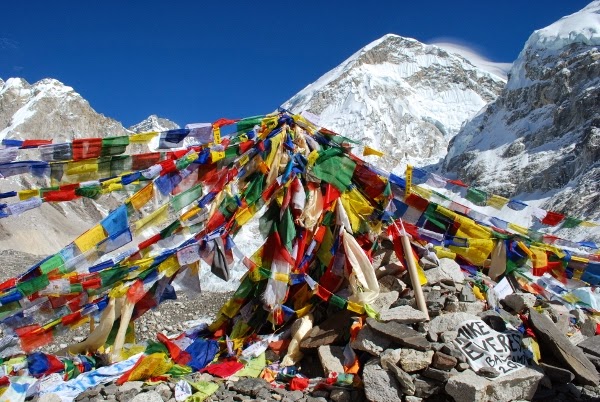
<point x="499" y="69"/>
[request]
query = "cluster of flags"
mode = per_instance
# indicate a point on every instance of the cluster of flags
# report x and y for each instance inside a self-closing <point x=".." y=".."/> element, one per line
<point x="323" y="211"/>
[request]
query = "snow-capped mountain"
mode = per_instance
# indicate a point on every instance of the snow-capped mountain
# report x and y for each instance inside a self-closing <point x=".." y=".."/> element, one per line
<point x="541" y="138"/>
<point x="153" y="123"/>
<point x="50" y="109"/>
<point x="400" y="96"/>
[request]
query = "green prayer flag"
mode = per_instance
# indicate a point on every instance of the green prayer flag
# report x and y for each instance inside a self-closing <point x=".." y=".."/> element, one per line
<point x="185" y="198"/>
<point x="248" y="123"/>
<point x="334" y="167"/>
<point x="54" y="262"/>
<point x="204" y="389"/>
<point x="33" y="285"/>
<point x="476" y="196"/>
<point x="114" y="145"/>
<point x="287" y="229"/>
<point x="169" y="230"/>
<point x="254" y="367"/>
<point x="89" y="192"/>
<point x="254" y="189"/>
<point x="338" y="301"/>
<point x="570" y="222"/>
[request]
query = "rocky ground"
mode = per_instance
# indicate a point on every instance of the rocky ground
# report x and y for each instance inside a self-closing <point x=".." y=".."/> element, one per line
<point x="403" y="356"/>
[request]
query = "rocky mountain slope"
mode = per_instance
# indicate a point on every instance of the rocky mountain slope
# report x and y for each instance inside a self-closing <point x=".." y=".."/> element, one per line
<point x="540" y="139"/>
<point x="50" y="109"/>
<point x="399" y="95"/>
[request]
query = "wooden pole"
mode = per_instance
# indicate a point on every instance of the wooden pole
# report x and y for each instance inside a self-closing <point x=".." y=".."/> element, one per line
<point x="412" y="270"/>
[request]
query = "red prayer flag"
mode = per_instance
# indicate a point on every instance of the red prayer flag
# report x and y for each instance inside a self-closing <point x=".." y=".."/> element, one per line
<point x="552" y="218"/>
<point x="87" y="148"/>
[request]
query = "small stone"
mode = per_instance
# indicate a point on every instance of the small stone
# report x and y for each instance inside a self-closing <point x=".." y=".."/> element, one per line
<point x="400" y="333"/>
<point x="450" y="321"/>
<point x="109" y="389"/>
<point x="449" y="336"/>
<point x="520" y="301"/>
<point x="493" y="320"/>
<point x="425" y="387"/>
<point x="320" y="393"/>
<point x="150" y="396"/>
<point x="591" y="345"/>
<point x="164" y="391"/>
<point x="49" y="398"/>
<point x="432" y="336"/>
<point x="466" y="295"/>
<point x="340" y="395"/>
<point x="462" y="366"/>
<point x="435" y="374"/>
<point x="402" y="315"/>
<point x="409" y="398"/>
<point x="443" y="361"/>
<point x="558" y="375"/>
<point x="389" y="361"/>
<point x="488" y="372"/>
<point x="447" y="272"/>
<point x="451" y="305"/>
<point x="471" y="307"/>
<point x="370" y="341"/>
<point x="413" y="360"/>
<point x="380" y="385"/>
<point x="249" y="386"/>
<point x="385" y="300"/>
<point x="295" y="395"/>
<point x="518" y="385"/>
<point x="332" y="359"/>
<point x="334" y="329"/>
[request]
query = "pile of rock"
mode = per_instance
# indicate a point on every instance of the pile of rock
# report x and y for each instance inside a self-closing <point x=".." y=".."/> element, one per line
<point x="407" y="355"/>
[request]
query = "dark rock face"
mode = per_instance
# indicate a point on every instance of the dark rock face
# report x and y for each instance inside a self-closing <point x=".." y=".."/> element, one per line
<point x="554" y="344"/>
<point x="544" y="129"/>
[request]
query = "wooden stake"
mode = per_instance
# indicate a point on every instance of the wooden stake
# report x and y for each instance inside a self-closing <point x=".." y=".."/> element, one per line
<point x="412" y="270"/>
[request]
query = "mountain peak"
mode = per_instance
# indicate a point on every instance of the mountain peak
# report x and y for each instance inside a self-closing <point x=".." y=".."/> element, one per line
<point x="401" y="95"/>
<point x="153" y="123"/>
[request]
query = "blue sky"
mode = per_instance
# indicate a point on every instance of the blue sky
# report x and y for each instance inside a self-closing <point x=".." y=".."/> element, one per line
<point x="192" y="62"/>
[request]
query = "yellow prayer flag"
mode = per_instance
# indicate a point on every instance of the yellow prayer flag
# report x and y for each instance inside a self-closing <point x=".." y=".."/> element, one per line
<point x="442" y="252"/>
<point x="90" y="239"/>
<point x="496" y="201"/>
<point x="275" y="141"/>
<point x="191" y="213"/>
<point x="155" y="218"/>
<point x="589" y="224"/>
<point x="169" y="266"/>
<point x="281" y="277"/>
<point x="139" y="199"/>
<point x="422" y="192"/>
<point x="356" y="307"/>
<point x="371" y="151"/>
<point x="27" y="194"/>
<point x="143" y="137"/>
<point x="357" y="208"/>
<point x="244" y="215"/>
<point x="446" y="212"/>
<point x="112" y="187"/>
<point x="312" y="157"/>
<point x="408" y="180"/>
<point x="519" y="229"/>
<point x="82" y="167"/>
<point x="216" y="155"/>
<point x="304" y="310"/>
